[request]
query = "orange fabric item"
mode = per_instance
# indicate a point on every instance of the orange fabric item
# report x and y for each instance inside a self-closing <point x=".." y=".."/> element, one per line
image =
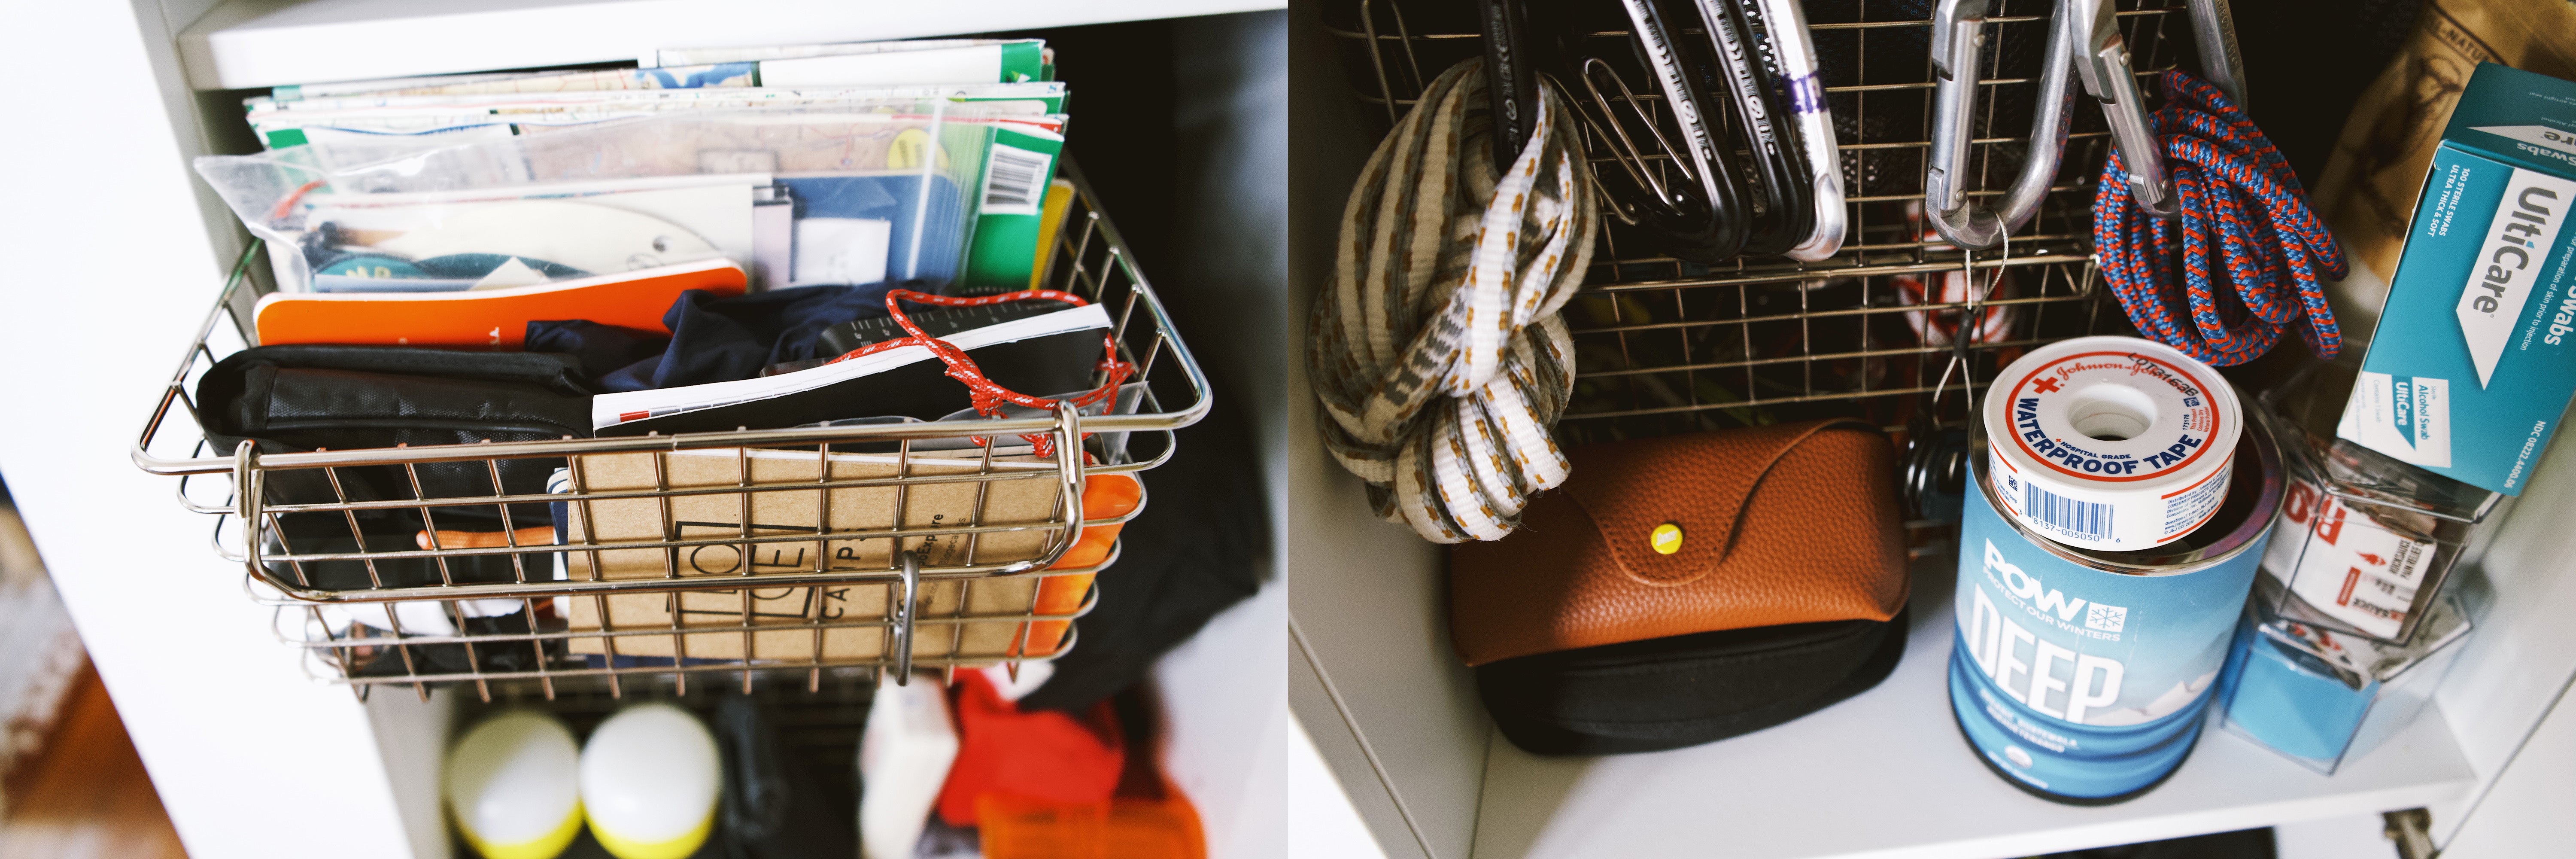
<point x="1103" y="496"/>
<point x="539" y="536"/>
<point x="1122" y="828"/>
<point x="488" y="318"/>
<point x="1041" y="755"/>
<point x="1792" y="523"/>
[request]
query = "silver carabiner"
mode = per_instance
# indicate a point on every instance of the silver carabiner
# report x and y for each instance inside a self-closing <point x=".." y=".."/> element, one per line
<point x="2213" y="26"/>
<point x="2108" y="77"/>
<point x="1958" y="30"/>
<point x="904" y="612"/>
<point x="1786" y="23"/>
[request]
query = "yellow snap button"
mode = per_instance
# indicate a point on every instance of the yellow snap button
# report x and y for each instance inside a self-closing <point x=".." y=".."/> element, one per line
<point x="1667" y="538"/>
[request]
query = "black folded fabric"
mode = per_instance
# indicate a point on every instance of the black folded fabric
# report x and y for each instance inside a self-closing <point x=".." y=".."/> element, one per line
<point x="713" y="338"/>
<point x="604" y="351"/>
<point x="1188" y="556"/>
<point x="290" y="399"/>
<point x="433" y="659"/>
<point x="2240" y="844"/>
<point x="774" y="807"/>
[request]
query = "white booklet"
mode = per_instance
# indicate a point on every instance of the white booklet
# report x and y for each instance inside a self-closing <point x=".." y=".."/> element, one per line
<point x="608" y="410"/>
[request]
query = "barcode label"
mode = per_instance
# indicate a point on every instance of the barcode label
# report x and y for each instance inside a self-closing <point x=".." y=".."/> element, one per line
<point x="1015" y="181"/>
<point x="2079" y="518"/>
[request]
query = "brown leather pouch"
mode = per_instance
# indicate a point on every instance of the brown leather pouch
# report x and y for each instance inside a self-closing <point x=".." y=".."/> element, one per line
<point x="1785" y="524"/>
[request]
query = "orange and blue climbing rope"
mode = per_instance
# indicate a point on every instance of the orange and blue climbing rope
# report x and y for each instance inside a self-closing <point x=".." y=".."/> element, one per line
<point x="2252" y="252"/>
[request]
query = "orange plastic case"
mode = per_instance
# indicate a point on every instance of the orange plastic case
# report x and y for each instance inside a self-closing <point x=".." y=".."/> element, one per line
<point x="488" y="318"/>
<point x="1103" y="496"/>
<point x="1122" y="828"/>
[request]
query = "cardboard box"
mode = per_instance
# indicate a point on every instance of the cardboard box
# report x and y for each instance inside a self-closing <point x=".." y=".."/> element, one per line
<point x="2470" y="369"/>
<point x="2376" y="170"/>
<point x="1029" y="494"/>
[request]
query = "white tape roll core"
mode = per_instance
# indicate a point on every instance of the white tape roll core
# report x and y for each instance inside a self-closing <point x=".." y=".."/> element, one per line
<point x="2111" y="443"/>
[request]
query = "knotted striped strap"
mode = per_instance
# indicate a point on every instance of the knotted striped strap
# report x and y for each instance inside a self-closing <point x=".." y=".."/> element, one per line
<point x="2239" y="195"/>
<point x="1436" y="352"/>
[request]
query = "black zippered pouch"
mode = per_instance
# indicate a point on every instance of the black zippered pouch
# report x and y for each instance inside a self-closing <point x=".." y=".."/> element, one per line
<point x="291" y="399"/>
<point x="1684" y="690"/>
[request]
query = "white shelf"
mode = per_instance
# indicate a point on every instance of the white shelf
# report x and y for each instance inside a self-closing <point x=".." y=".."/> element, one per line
<point x="243" y="44"/>
<point x="1886" y="775"/>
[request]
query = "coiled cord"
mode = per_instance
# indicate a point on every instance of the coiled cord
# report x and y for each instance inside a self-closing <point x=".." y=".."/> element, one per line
<point x="2239" y="198"/>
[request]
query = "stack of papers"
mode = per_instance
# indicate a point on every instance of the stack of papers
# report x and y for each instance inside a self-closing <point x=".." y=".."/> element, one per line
<point x="824" y="212"/>
<point x="914" y="61"/>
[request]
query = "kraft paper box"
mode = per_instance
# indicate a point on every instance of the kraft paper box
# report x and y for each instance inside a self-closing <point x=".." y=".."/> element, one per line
<point x="2471" y="367"/>
<point x="2376" y="171"/>
<point x="1029" y="497"/>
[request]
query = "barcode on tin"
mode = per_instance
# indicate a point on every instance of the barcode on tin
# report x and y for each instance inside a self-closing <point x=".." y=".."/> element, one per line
<point x="1015" y="181"/>
<point x="2080" y="518"/>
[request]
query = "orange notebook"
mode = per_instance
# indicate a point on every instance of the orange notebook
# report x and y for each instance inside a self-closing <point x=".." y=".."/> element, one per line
<point x="488" y="318"/>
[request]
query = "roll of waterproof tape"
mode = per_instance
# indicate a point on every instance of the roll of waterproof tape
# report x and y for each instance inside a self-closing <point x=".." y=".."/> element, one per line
<point x="2111" y="443"/>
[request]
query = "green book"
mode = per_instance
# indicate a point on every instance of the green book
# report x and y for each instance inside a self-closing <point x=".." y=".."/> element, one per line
<point x="1018" y="167"/>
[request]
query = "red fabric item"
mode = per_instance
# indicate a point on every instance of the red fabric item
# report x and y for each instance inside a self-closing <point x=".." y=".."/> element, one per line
<point x="1042" y="755"/>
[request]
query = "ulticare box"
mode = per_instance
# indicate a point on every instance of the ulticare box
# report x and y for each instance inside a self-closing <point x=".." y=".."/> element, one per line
<point x="2470" y="369"/>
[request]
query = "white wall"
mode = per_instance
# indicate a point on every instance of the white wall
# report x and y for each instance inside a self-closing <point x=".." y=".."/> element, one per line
<point x="1373" y="680"/>
<point x="1226" y="720"/>
<point x="1327" y="826"/>
<point x="111" y="265"/>
<point x="1225" y="690"/>
<point x="2528" y="812"/>
<point x="116" y="254"/>
<point x="2522" y="654"/>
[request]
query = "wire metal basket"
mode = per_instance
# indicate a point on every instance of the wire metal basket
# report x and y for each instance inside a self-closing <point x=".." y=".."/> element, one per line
<point x="1664" y="346"/>
<point x="821" y="550"/>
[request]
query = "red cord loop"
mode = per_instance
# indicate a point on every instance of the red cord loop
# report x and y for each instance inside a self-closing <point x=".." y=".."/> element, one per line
<point x="988" y="396"/>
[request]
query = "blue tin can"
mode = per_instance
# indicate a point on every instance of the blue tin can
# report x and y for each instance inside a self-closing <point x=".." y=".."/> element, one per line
<point x="2083" y="676"/>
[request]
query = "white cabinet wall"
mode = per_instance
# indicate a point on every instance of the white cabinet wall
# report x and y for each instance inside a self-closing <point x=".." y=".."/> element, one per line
<point x="2524" y="812"/>
<point x="116" y="251"/>
<point x="118" y="255"/>
<point x="1394" y="716"/>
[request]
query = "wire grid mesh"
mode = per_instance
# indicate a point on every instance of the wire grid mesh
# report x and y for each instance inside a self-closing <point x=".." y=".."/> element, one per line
<point x="1664" y="345"/>
<point x="819" y="550"/>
